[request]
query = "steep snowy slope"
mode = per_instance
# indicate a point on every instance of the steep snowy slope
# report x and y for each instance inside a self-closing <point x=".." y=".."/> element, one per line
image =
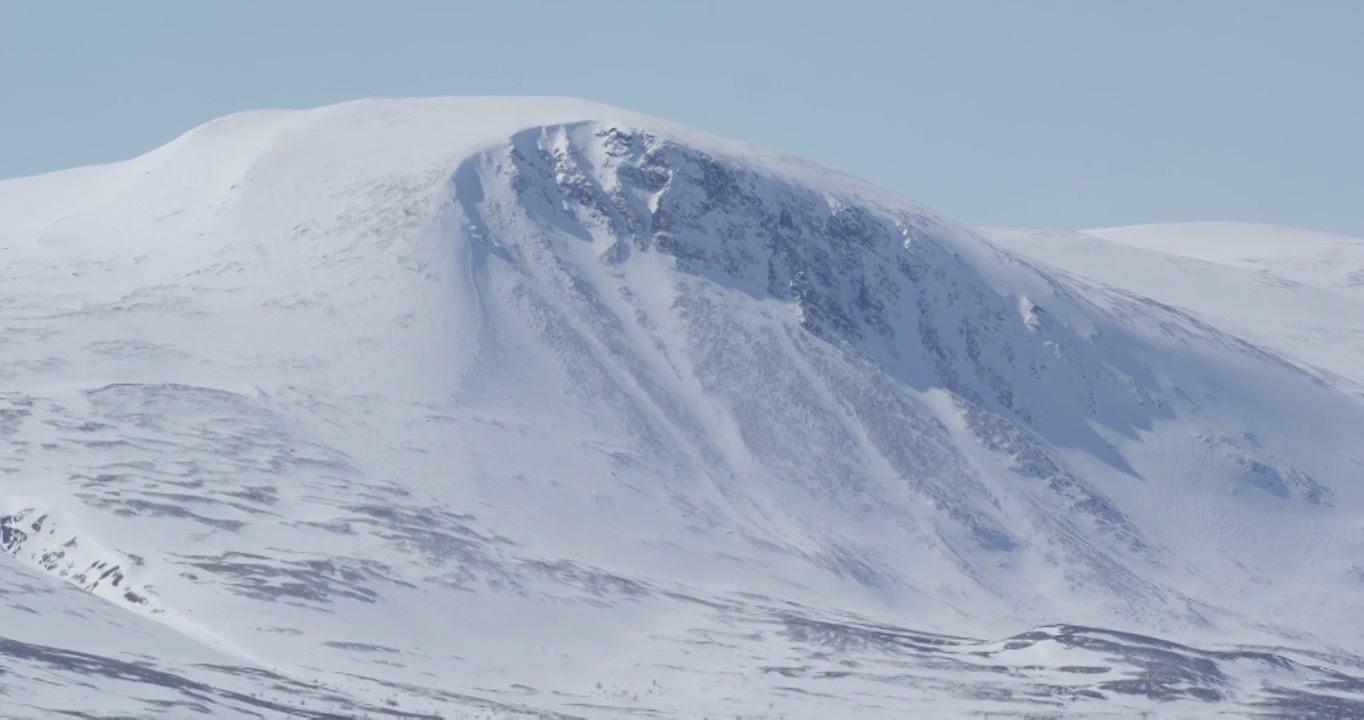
<point x="508" y="405"/>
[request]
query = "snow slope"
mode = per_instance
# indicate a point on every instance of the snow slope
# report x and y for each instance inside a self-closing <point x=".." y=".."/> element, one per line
<point x="1305" y="256"/>
<point x="485" y="407"/>
<point x="1297" y="293"/>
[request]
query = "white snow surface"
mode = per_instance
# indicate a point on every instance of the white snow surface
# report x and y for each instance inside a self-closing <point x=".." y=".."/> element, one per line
<point x="1296" y="293"/>
<point x="489" y="407"/>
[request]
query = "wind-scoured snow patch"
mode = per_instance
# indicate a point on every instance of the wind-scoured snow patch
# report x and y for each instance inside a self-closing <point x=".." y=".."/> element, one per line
<point x="45" y="542"/>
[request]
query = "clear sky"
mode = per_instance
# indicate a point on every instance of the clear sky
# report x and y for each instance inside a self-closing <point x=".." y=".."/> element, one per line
<point x="1034" y="113"/>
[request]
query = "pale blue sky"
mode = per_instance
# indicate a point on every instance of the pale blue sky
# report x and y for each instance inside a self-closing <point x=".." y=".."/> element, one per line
<point x="1008" y="112"/>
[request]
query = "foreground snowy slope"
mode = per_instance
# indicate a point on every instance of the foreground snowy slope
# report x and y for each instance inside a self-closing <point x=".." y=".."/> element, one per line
<point x="503" y="405"/>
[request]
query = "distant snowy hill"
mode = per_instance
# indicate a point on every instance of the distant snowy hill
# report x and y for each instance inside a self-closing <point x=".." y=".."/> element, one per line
<point x="492" y="407"/>
<point x="1296" y="293"/>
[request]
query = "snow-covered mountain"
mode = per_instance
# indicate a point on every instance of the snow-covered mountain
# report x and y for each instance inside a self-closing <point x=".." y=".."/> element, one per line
<point x="1295" y="293"/>
<point x="489" y="407"/>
